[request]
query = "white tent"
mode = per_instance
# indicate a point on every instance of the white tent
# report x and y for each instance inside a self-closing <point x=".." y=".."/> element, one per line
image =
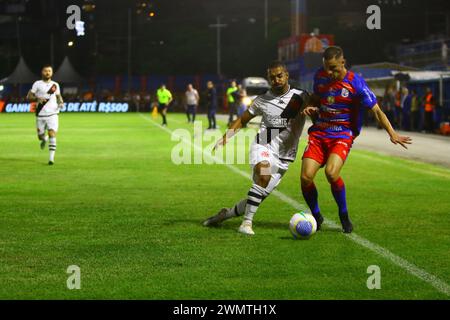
<point x="66" y="73"/>
<point x="21" y="74"/>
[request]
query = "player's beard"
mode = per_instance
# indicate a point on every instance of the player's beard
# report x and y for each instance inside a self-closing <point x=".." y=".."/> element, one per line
<point x="279" y="90"/>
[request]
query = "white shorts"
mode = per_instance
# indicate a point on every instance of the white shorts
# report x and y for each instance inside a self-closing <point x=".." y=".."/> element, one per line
<point x="259" y="153"/>
<point x="47" y="123"/>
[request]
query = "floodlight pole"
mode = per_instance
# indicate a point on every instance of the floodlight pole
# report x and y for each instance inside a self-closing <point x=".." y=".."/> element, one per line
<point x="19" y="45"/>
<point x="52" y="50"/>
<point x="129" y="52"/>
<point x="266" y="14"/>
<point x="218" y="27"/>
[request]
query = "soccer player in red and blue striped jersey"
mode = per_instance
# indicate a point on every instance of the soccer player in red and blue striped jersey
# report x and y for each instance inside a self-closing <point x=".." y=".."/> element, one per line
<point x="336" y="109"/>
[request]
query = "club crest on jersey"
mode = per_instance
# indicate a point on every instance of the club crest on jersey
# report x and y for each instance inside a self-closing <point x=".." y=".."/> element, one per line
<point x="344" y="93"/>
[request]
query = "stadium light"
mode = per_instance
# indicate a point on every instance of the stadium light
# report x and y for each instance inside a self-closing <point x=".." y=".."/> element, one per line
<point x="70" y="43"/>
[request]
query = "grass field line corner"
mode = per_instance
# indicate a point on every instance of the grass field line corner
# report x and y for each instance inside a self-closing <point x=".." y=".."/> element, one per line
<point x="409" y="267"/>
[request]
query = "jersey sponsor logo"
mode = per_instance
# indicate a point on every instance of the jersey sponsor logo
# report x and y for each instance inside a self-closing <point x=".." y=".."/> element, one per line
<point x="327" y="126"/>
<point x="330" y="100"/>
<point x="328" y="109"/>
<point x="277" y="121"/>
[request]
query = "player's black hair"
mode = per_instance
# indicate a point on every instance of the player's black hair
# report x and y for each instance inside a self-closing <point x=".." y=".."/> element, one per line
<point x="48" y="65"/>
<point x="276" y="64"/>
<point x="333" y="52"/>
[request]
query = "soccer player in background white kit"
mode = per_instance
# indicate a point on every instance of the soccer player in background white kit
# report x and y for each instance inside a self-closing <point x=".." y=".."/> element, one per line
<point x="275" y="145"/>
<point x="47" y="94"/>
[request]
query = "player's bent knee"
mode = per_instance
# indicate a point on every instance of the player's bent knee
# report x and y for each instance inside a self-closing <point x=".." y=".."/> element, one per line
<point x="264" y="180"/>
<point x="332" y="174"/>
<point x="306" y="178"/>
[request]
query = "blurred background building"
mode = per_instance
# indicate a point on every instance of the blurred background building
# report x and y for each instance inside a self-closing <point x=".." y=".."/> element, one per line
<point x="130" y="47"/>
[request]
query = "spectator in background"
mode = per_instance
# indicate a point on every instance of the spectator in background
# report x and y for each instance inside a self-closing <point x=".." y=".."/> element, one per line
<point x="164" y="97"/>
<point x="415" y="112"/>
<point x="211" y="100"/>
<point x="429" y="105"/>
<point x="137" y="100"/>
<point x="241" y="94"/>
<point x="388" y="104"/>
<point x="147" y="101"/>
<point x="406" y="109"/>
<point x="88" y="96"/>
<point x="127" y="97"/>
<point x="398" y="108"/>
<point x="192" y="99"/>
<point x="231" y="101"/>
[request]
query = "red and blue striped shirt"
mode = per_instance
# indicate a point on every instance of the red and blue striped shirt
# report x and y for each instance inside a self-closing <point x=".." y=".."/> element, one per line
<point x="341" y="103"/>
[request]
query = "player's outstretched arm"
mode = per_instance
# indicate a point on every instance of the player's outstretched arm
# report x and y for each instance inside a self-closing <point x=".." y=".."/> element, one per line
<point x="384" y="122"/>
<point x="234" y="128"/>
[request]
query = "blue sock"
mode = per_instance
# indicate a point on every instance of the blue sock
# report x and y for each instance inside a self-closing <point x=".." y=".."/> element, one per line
<point x="338" y="190"/>
<point x="311" y="197"/>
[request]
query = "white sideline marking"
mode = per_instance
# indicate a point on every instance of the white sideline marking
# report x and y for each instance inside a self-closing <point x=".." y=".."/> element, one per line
<point x="423" y="275"/>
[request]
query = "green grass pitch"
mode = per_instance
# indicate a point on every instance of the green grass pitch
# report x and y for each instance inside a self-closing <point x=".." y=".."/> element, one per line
<point x="115" y="205"/>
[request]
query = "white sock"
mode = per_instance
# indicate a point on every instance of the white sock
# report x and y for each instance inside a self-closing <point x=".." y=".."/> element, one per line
<point x="52" y="148"/>
<point x="255" y="196"/>
<point x="237" y="210"/>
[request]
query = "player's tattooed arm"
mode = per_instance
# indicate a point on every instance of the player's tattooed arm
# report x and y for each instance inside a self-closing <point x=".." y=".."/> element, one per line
<point x="59" y="100"/>
<point x="312" y="106"/>
<point x="383" y="121"/>
<point x="234" y="128"/>
<point x="32" y="98"/>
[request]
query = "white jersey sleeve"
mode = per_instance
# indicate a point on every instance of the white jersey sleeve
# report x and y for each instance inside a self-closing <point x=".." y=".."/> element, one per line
<point x="255" y="108"/>
<point x="34" y="87"/>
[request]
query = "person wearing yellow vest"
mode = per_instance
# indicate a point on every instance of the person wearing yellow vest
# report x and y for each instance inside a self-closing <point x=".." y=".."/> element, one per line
<point x="429" y="110"/>
<point x="232" y="103"/>
<point x="164" y="97"/>
<point x="415" y="111"/>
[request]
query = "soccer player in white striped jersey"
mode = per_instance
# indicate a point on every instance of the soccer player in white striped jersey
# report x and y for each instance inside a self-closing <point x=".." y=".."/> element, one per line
<point x="274" y="147"/>
<point x="47" y="94"/>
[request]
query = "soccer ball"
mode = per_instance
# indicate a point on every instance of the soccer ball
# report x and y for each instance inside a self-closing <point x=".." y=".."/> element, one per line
<point x="302" y="225"/>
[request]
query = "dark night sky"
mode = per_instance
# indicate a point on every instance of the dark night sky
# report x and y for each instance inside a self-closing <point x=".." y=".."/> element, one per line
<point x="178" y="41"/>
